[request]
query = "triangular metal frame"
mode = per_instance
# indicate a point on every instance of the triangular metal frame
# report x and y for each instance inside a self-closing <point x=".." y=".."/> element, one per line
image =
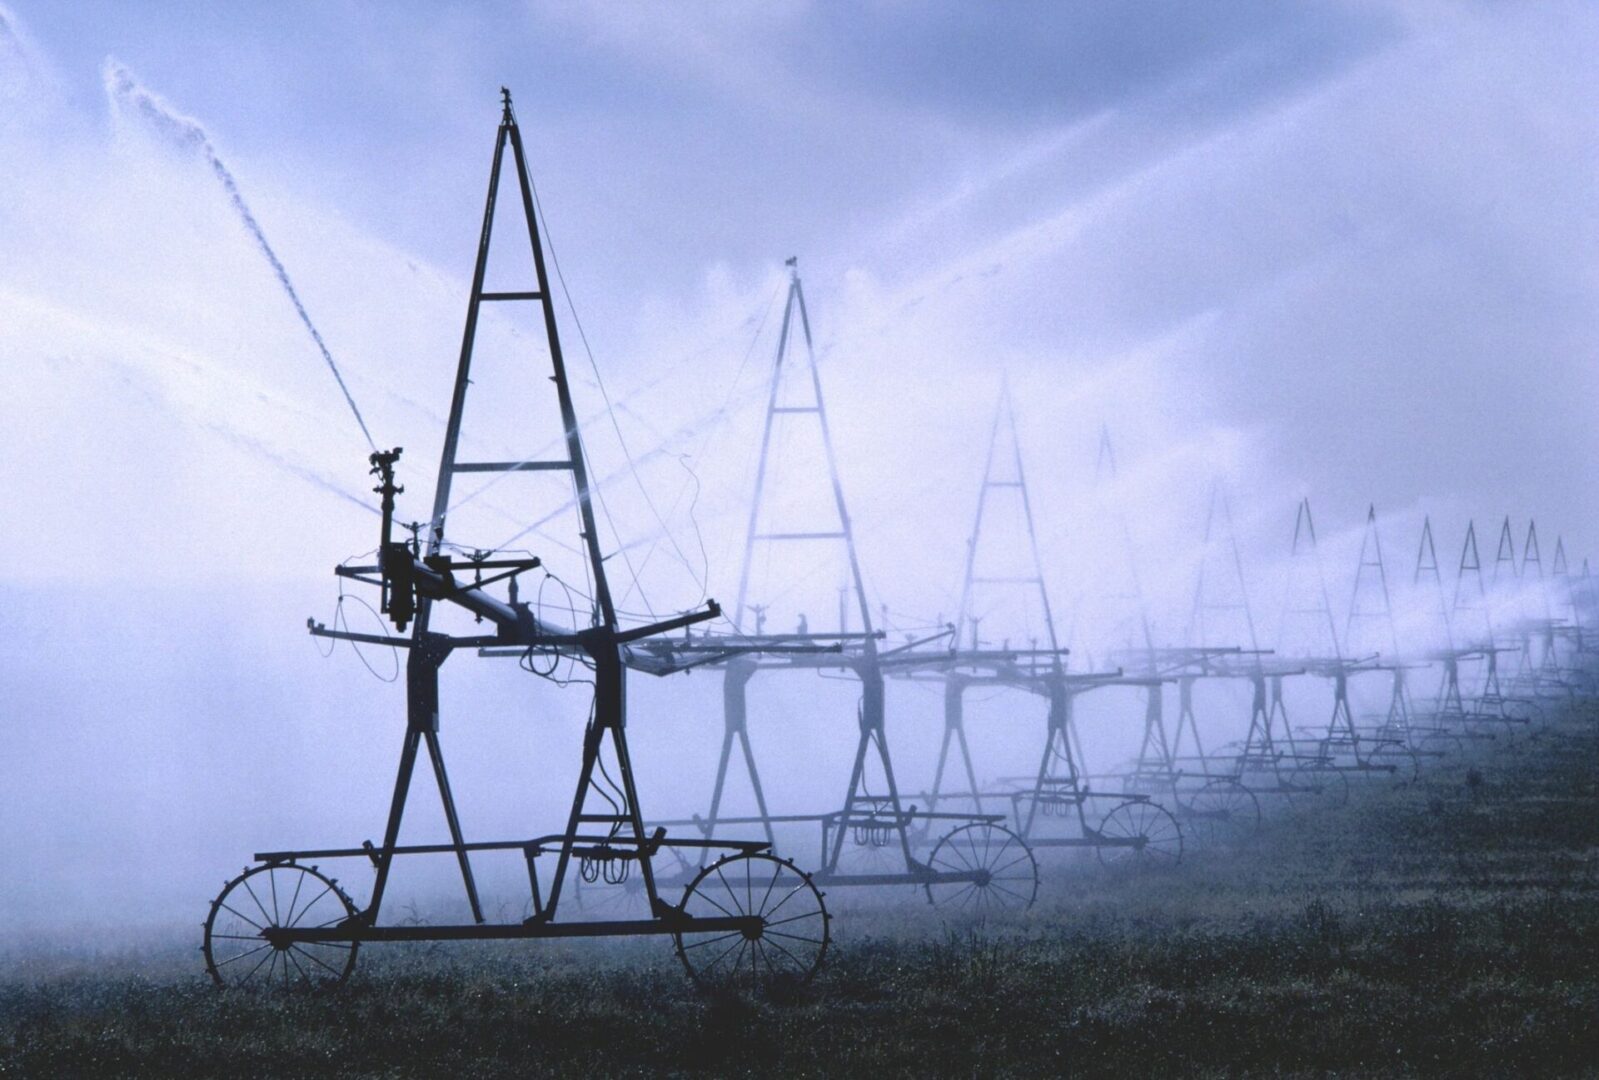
<point x="872" y="739"/>
<point x="967" y="625"/>
<point x="602" y="641"/>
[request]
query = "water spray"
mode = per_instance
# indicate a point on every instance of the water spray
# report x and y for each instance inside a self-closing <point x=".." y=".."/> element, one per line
<point x="187" y="134"/>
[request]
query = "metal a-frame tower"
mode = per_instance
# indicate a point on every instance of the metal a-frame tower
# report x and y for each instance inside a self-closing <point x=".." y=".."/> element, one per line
<point x="1370" y="622"/>
<point x="1445" y="725"/>
<point x="1004" y="479"/>
<point x="1473" y="605"/>
<point x="1134" y="828"/>
<point x="874" y="820"/>
<point x="1342" y="741"/>
<point x="1569" y="620"/>
<point x="1543" y="677"/>
<point x="420" y="582"/>
<point x="1170" y="762"/>
<point x="1269" y="760"/>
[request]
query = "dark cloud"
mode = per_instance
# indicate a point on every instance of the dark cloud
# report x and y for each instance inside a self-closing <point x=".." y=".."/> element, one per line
<point x="1025" y="63"/>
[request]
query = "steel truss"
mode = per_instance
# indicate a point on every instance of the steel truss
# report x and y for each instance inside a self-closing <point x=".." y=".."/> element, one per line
<point x="965" y="860"/>
<point x="1133" y="827"/>
<point x="1271" y="759"/>
<point x="748" y="915"/>
<point x="1344" y="745"/>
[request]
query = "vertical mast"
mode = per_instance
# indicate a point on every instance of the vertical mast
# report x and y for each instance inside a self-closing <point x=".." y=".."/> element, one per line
<point x="795" y="305"/>
<point x="575" y="463"/>
<point x="1004" y="414"/>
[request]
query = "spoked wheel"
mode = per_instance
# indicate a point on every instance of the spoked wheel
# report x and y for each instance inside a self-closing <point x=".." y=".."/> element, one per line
<point x="788" y="946"/>
<point x="998" y="870"/>
<point x="1222" y="812"/>
<point x="280" y="896"/>
<point x="1145" y="835"/>
<point x="1313" y="787"/>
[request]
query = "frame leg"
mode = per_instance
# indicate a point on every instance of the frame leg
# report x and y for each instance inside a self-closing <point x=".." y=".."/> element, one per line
<point x="436" y="755"/>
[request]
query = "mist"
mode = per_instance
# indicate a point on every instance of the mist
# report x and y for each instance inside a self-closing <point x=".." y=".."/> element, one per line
<point x="1342" y="255"/>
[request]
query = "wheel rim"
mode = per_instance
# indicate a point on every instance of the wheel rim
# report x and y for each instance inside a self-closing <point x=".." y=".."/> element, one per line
<point x="280" y="896"/>
<point x="1161" y="836"/>
<point x="794" y="932"/>
<point x="1223" y="811"/>
<point x="1007" y="873"/>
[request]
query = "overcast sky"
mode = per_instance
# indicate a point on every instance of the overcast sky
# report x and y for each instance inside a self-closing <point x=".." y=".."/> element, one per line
<point x="1344" y="250"/>
<point x="1360" y="234"/>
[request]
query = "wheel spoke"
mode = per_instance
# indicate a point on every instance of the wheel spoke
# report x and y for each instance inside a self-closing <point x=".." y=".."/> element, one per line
<point x="245" y="881"/>
<point x="307" y="909"/>
<point x="996" y="853"/>
<point x="289" y="955"/>
<point x="255" y="969"/>
<point x="316" y="960"/>
<point x="246" y="918"/>
<point x="241" y="956"/>
<point x="792" y="918"/>
<point x="1023" y="857"/>
<point x="272" y="880"/>
<point x="1010" y="892"/>
<point x="777" y="871"/>
<point x="712" y="941"/>
<point x="796" y="960"/>
<point x="299" y="884"/>
<point x="795" y="937"/>
<point x="724" y="954"/>
<point x="952" y="849"/>
<point x="709" y="899"/>
<point x="732" y="895"/>
<point x="971" y="842"/>
<point x="786" y="898"/>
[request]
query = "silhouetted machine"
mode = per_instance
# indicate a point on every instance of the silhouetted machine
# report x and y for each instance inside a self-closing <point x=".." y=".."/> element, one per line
<point x="748" y="915"/>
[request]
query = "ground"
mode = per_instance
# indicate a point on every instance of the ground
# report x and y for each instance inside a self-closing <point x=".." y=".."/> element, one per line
<point x="1443" y="926"/>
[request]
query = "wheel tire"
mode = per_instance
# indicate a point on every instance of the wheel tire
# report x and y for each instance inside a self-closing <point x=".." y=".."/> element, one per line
<point x="1160" y="835"/>
<point x="1222" y="813"/>
<point x="743" y="884"/>
<point x="1007" y="872"/>
<point x="275" y="896"/>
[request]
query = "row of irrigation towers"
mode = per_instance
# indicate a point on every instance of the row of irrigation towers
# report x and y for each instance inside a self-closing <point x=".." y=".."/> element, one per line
<point x="740" y="910"/>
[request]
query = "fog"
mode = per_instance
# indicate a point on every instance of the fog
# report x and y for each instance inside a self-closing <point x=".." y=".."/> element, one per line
<point x="1343" y="255"/>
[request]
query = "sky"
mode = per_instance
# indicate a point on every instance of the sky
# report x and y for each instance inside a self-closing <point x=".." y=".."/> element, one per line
<point x="1342" y="250"/>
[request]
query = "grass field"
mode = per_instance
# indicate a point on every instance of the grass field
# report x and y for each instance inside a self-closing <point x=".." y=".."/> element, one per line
<point x="1445" y="926"/>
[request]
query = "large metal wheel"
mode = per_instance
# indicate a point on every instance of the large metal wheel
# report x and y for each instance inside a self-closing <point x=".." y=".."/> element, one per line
<point x="1004" y="874"/>
<point x="1224" y="812"/>
<point x="278" y="896"/>
<point x="1145" y="835"/>
<point x="1314" y="786"/>
<point x="786" y="949"/>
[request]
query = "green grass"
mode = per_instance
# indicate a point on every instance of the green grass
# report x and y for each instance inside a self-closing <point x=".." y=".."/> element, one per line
<point x="1440" y="927"/>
